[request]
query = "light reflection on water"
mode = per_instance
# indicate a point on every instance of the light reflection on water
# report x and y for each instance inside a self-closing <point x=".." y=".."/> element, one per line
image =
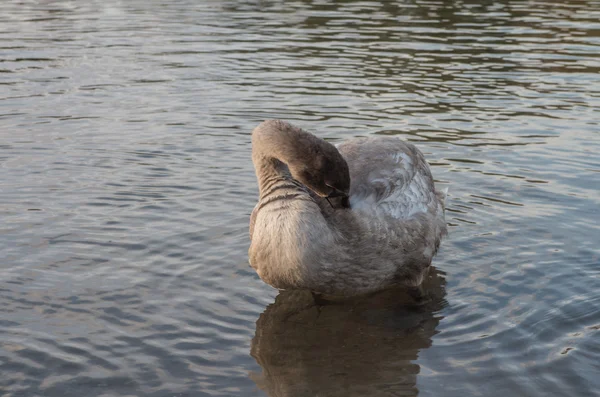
<point x="127" y="186"/>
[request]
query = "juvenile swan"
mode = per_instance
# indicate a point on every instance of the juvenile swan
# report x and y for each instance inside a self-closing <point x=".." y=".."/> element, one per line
<point x="341" y="221"/>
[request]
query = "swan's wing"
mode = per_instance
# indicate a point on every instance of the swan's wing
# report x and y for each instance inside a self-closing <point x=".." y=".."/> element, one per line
<point x="390" y="177"/>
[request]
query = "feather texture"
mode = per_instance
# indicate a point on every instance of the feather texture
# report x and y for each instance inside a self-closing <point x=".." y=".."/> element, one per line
<point x="388" y="236"/>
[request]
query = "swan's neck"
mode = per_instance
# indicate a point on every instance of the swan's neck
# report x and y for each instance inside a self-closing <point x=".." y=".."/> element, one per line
<point x="285" y="226"/>
<point x="276" y="153"/>
<point x="270" y="171"/>
<point x="280" y="192"/>
<point x="291" y="229"/>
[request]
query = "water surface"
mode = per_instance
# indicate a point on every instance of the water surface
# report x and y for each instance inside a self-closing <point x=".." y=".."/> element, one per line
<point x="127" y="186"/>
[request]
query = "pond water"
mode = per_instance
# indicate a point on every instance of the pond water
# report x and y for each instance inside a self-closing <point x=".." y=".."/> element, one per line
<point x="127" y="186"/>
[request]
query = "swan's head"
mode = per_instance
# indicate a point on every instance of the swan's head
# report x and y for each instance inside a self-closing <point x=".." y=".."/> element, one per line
<point x="326" y="173"/>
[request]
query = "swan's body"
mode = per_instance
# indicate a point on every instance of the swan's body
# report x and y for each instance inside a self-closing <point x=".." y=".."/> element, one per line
<point x="387" y="236"/>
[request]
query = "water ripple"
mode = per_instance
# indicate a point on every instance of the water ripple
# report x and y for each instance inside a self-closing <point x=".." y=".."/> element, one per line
<point x="127" y="186"/>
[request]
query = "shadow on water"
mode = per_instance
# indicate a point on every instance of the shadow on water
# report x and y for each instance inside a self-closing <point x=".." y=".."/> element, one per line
<point x="355" y="348"/>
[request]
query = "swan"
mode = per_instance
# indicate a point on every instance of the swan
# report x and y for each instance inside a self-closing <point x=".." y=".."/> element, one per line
<point x="342" y="221"/>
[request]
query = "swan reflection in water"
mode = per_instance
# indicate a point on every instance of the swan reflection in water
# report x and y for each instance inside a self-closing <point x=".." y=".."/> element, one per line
<point x="363" y="347"/>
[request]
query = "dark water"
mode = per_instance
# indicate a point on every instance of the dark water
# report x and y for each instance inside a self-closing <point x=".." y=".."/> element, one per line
<point x="126" y="186"/>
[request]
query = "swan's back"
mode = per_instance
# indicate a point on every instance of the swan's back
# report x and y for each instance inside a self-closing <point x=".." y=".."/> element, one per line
<point x="390" y="177"/>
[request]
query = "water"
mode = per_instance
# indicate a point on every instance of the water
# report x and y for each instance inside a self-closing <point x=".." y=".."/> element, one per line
<point x="127" y="186"/>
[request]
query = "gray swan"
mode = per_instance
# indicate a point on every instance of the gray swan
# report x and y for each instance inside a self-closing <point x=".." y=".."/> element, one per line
<point x="342" y="221"/>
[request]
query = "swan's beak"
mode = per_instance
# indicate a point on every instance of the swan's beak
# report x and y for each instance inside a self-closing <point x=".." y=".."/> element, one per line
<point x="336" y="193"/>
